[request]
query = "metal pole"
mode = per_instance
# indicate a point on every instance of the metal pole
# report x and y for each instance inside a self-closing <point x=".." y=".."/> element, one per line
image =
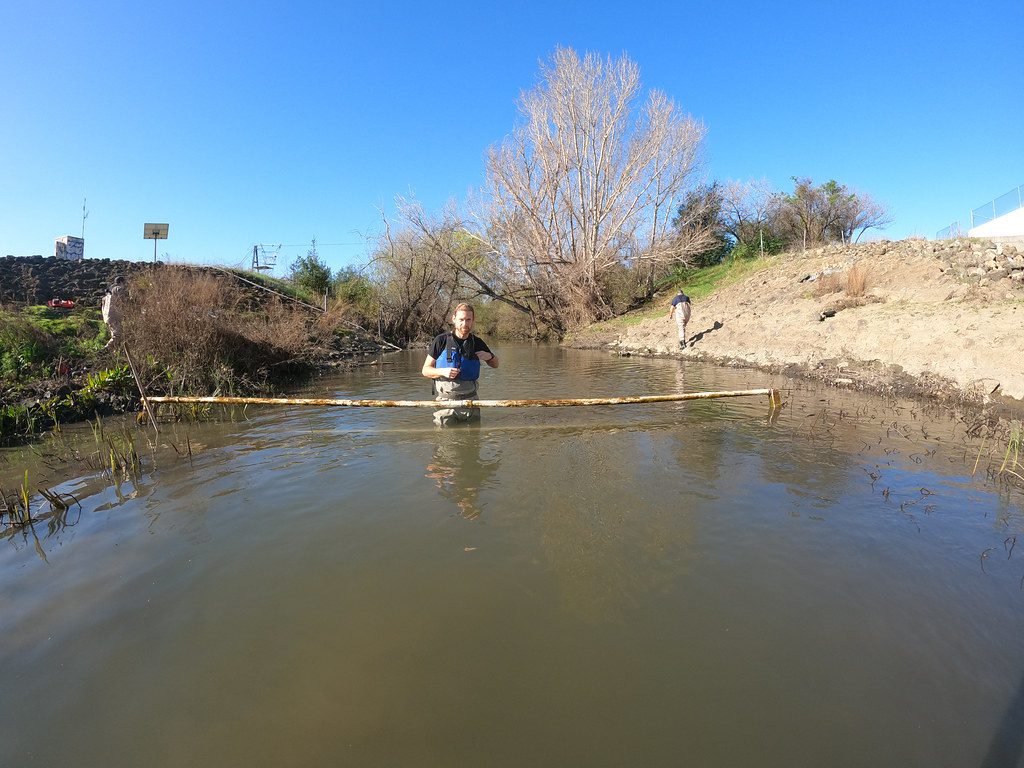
<point x="154" y="250"/>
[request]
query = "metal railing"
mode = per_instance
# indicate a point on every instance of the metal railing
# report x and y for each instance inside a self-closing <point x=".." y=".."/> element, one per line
<point x="1003" y="204"/>
<point x="953" y="230"/>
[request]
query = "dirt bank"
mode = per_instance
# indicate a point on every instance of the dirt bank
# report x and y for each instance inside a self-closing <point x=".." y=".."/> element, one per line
<point x="942" y="319"/>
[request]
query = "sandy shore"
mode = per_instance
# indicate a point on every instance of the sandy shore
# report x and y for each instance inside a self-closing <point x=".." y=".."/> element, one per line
<point x="919" y="328"/>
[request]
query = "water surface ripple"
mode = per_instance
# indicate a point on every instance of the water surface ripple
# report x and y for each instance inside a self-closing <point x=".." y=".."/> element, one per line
<point x="674" y="584"/>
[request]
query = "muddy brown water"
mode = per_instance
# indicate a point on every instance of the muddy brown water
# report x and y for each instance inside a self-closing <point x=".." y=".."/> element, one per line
<point x="675" y="584"/>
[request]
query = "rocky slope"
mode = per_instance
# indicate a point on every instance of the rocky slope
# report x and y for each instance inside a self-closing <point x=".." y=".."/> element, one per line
<point x="943" y="319"/>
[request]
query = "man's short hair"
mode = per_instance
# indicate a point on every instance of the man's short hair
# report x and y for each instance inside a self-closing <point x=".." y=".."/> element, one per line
<point x="464" y="307"/>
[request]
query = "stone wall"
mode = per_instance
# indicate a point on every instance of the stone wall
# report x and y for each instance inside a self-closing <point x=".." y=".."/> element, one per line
<point x="972" y="260"/>
<point x="979" y="260"/>
<point x="36" y="279"/>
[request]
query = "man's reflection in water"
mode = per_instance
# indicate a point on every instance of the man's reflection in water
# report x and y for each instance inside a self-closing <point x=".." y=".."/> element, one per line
<point x="680" y="377"/>
<point x="459" y="469"/>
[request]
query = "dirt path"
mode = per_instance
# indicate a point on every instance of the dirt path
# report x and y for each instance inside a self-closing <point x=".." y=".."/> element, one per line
<point x="921" y="327"/>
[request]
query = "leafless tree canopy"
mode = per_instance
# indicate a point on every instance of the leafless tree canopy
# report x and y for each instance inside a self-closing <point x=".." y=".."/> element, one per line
<point x="862" y="214"/>
<point x="749" y="209"/>
<point x="416" y="277"/>
<point x="587" y="182"/>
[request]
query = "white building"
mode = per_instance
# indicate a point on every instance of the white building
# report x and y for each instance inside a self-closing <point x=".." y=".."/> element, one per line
<point x="69" y="247"/>
<point x="1000" y="218"/>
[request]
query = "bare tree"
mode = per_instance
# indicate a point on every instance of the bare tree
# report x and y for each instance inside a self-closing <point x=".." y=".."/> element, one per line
<point x="750" y="209"/>
<point x="863" y="213"/>
<point x="417" y="282"/>
<point x="585" y="183"/>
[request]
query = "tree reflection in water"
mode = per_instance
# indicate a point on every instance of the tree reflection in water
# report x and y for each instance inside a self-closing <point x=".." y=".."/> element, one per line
<point x="458" y="468"/>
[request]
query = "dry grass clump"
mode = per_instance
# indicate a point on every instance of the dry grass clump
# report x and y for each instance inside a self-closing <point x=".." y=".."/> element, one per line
<point x="198" y="327"/>
<point x="826" y="285"/>
<point x="854" y="283"/>
<point x="857" y="281"/>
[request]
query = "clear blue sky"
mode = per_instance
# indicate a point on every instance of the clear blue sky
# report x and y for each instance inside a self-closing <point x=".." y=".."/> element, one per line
<point x="243" y="123"/>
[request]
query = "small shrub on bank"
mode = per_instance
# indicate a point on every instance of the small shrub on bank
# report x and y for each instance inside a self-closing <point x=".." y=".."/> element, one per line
<point x="857" y="281"/>
<point x="357" y="294"/>
<point x="827" y="285"/>
<point x="195" y="327"/>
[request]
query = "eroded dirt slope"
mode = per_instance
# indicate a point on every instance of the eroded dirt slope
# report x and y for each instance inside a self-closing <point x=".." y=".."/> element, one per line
<point x="926" y="323"/>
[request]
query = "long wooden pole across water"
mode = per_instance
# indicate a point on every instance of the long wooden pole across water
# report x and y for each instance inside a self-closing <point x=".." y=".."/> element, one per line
<point x="774" y="398"/>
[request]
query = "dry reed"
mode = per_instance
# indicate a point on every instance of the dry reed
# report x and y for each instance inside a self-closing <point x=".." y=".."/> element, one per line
<point x="826" y="285"/>
<point x="857" y="281"/>
<point x="204" y="331"/>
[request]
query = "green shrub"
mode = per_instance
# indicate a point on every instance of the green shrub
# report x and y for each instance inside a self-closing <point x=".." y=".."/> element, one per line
<point x="311" y="273"/>
<point x="356" y="293"/>
<point x="742" y="251"/>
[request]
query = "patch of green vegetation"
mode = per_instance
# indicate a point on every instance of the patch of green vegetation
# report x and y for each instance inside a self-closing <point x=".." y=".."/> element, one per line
<point x="102" y="389"/>
<point x="37" y="342"/>
<point x="699" y="283"/>
<point x="40" y="347"/>
<point x="285" y="287"/>
<point x="16" y="420"/>
<point x="696" y="283"/>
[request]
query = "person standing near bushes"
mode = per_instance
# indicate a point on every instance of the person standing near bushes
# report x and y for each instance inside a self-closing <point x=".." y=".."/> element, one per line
<point x="111" y="308"/>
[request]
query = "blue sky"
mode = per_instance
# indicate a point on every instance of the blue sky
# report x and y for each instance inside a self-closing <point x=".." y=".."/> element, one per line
<point x="256" y="123"/>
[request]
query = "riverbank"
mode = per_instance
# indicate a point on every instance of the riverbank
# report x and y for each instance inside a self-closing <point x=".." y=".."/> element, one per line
<point x="191" y="331"/>
<point x="939" y="319"/>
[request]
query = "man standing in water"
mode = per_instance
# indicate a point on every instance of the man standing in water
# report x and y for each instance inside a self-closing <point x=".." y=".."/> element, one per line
<point x="680" y="310"/>
<point x="454" y="364"/>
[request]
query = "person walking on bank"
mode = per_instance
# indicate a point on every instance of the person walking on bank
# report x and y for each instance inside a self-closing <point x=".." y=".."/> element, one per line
<point x="111" y="308"/>
<point x="680" y="309"/>
<point x="453" y="362"/>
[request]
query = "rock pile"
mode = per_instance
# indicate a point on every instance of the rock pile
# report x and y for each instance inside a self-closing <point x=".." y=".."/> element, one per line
<point x="37" y="279"/>
<point x="984" y="263"/>
<point x="981" y="261"/>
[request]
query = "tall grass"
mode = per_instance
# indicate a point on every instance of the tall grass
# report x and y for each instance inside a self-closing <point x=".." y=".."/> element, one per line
<point x="200" y="330"/>
<point x="857" y="280"/>
<point x="699" y="283"/>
